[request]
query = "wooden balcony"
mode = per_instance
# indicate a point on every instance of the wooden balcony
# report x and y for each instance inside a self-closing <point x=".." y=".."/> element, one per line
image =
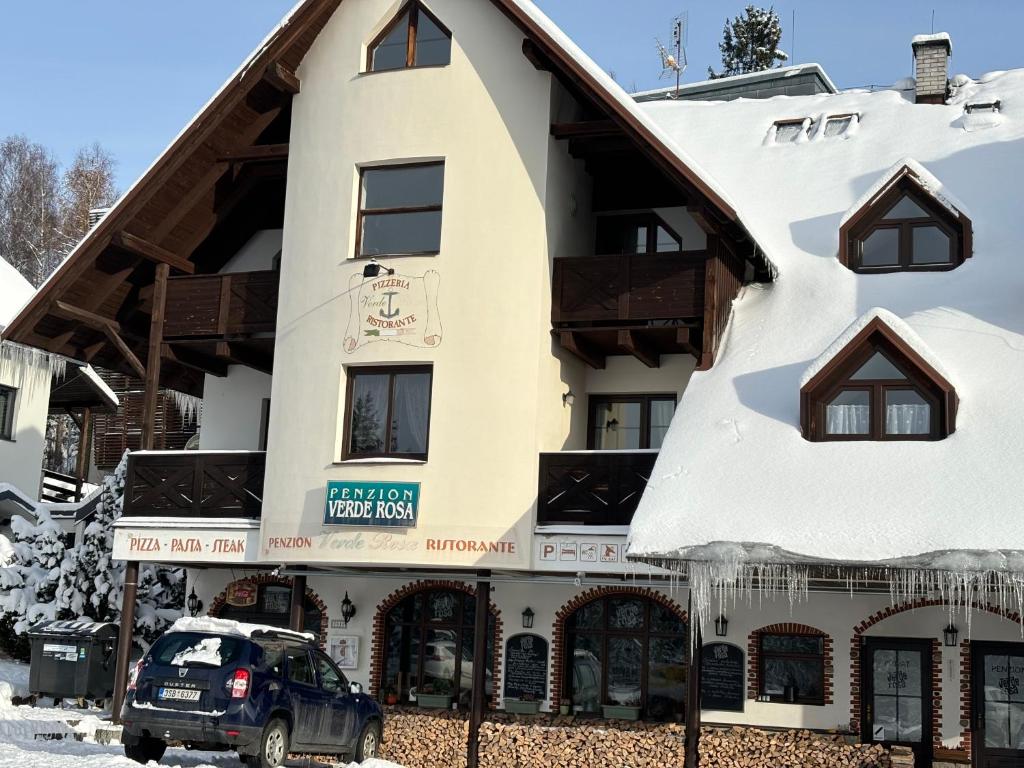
<point x="194" y="484"/>
<point x="645" y="305"/>
<point x="592" y="487"/>
<point x="212" y="321"/>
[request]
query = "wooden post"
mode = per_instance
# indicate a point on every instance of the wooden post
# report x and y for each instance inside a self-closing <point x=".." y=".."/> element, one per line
<point x="156" y="338"/>
<point x="692" y="738"/>
<point x="124" y="637"/>
<point x="84" y="447"/>
<point x="298" y="601"/>
<point x="479" y="698"/>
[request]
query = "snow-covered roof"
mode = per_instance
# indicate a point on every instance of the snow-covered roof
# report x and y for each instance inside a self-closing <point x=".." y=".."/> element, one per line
<point x="776" y="73"/>
<point x="734" y="466"/>
<point x="15" y="290"/>
<point x="924" y="179"/>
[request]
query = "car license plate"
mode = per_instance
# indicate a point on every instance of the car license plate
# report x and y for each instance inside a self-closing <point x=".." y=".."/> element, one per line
<point x="178" y="694"/>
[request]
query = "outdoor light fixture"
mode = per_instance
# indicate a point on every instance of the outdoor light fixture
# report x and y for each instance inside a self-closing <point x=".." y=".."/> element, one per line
<point x="348" y="609"/>
<point x="569" y="398"/>
<point x="721" y="626"/>
<point x="195" y="605"/>
<point x="527" y="618"/>
<point x="949" y="634"/>
<point x="374" y="268"/>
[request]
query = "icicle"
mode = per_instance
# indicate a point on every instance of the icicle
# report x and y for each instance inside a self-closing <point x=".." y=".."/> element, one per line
<point x="28" y="367"/>
<point x="189" y="406"/>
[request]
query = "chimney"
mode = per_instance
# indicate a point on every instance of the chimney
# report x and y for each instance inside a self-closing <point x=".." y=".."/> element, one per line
<point x="931" y="67"/>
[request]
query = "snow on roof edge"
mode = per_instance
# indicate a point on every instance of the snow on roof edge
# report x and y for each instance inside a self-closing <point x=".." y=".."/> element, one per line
<point x="934" y="37"/>
<point x="788" y="71"/>
<point x="921" y="175"/>
<point x="101" y="386"/>
<point x="896" y="324"/>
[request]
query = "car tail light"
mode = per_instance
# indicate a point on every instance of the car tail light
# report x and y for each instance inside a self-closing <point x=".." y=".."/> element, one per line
<point x="133" y="675"/>
<point x="238" y="684"/>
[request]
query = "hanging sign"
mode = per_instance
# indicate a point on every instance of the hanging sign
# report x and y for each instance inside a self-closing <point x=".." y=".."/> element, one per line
<point x="390" y="505"/>
<point x="526" y="667"/>
<point x="721" y="677"/>
<point x="241" y="594"/>
<point x="400" y="308"/>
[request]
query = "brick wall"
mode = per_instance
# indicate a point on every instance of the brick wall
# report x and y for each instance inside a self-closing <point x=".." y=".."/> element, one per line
<point x="558" y="628"/>
<point x="931" y="72"/>
<point x="754" y="654"/>
<point x="389" y="602"/>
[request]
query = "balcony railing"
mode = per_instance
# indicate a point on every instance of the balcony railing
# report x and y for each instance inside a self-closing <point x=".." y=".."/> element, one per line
<point x="194" y="484"/>
<point x="222" y="305"/>
<point x="592" y="487"/>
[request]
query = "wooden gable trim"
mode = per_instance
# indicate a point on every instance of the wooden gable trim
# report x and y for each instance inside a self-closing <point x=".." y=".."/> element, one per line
<point x="839" y="365"/>
<point x="875" y="206"/>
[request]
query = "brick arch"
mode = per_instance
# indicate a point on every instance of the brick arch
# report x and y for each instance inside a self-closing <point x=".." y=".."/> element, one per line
<point x="965" y="666"/>
<point x="788" y="628"/>
<point x="583" y="598"/>
<point x="283" y="581"/>
<point x="389" y="602"/>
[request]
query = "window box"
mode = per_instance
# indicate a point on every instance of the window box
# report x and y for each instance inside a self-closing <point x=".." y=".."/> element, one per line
<point x="620" y="712"/>
<point x="434" y="700"/>
<point x="522" y="707"/>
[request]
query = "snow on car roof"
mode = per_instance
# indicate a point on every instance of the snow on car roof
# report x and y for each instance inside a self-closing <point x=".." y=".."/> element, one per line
<point x="734" y="466"/>
<point x="213" y="626"/>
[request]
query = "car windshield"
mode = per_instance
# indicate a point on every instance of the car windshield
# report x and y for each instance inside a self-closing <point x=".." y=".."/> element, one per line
<point x="187" y="649"/>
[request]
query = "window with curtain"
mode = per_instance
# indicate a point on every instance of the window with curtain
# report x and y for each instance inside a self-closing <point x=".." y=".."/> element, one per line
<point x="879" y="401"/>
<point x="909" y="233"/>
<point x="792" y="668"/>
<point x="428" y="646"/>
<point x="7" y="397"/>
<point x="400" y="210"/>
<point x="626" y="650"/>
<point x="629" y="422"/>
<point x="414" y="39"/>
<point x="388" y="412"/>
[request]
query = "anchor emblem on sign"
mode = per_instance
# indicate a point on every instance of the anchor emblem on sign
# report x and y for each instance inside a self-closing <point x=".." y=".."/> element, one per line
<point x="391" y="312"/>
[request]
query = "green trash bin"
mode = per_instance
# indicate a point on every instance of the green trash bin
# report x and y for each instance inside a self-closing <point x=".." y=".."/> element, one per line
<point x="73" y="659"/>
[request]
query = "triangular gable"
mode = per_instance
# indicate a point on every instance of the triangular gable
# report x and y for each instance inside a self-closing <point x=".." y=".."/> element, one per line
<point x="909" y="173"/>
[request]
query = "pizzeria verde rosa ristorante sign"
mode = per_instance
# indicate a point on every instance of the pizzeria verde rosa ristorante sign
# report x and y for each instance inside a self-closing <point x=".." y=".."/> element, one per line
<point x="380" y="504"/>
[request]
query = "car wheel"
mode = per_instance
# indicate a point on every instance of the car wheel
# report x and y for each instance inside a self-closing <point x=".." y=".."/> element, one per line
<point x="368" y="745"/>
<point x="147" y="749"/>
<point x="273" y="746"/>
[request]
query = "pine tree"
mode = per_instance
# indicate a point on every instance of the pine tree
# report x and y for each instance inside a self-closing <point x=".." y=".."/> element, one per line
<point x="750" y="43"/>
<point x="30" y="581"/>
<point x="366" y="425"/>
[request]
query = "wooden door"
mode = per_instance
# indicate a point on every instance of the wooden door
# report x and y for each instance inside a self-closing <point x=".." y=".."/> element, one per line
<point x="997" y="704"/>
<point x="896" y="694"/>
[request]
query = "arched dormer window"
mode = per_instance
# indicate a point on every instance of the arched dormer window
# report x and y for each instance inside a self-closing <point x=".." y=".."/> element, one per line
<point x="905" y="224"/>
<point x="879" y="385"/>
<point x="415" y="38"/>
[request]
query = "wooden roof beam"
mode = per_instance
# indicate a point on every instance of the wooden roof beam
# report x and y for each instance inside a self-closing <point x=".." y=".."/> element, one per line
<point x="581" y="348"/>
<point x="91" y="319"/>
<point x="251" y="358"/>
<point x="126" y="351"/>
<point x="591" y="128"/>
<point x="147" y="250"/>
<point x="638" y="347"/>
<point x="280" y="77"/>
<point x="193" y="358"/>
<point x="256" y="153"/>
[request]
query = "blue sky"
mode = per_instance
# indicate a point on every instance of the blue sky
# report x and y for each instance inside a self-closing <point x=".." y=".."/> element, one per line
<point x="129" y="74"/>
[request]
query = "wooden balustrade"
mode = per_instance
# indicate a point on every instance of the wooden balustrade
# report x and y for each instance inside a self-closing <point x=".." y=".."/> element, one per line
<point x="592" y="487"/>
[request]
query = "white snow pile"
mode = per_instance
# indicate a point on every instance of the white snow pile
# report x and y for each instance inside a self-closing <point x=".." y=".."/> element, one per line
<point x="210" y="625"/>
<point x="736" y="490"/>
<point x="206" y="651"/>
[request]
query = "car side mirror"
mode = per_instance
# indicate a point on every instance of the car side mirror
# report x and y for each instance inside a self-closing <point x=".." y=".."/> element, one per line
<point x="355" y="687"/>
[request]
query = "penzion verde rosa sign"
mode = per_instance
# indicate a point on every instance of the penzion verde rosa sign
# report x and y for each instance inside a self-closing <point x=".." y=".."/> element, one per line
<point x="391" y="505"/>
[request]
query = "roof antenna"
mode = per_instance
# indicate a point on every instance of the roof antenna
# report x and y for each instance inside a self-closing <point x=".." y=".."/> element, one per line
<point x="792" y="38"/>
<point x="933" y="21"/>
<point x="674" y="63"/>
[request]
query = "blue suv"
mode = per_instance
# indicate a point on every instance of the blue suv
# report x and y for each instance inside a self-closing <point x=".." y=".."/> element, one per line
<point x="264" y="692"/>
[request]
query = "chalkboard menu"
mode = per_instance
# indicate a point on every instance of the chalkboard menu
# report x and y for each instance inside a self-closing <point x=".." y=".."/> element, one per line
<point x="721" y="677"/>
<point x="526" y="667"/>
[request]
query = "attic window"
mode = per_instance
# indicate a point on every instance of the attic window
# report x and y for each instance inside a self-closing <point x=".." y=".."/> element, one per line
<point x="790" y="131"/>
<point x="904" y="230"/>
<point x="877" y="388"/>
<point x="838" y="125"/>
<point x="415" y="38"/>
<point x="991" y="106"/>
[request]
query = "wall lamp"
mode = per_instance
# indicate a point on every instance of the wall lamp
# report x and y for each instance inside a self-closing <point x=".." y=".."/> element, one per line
<point x="527" y="618"/>
<point x="949" y="635"/>
<point x="721" y="626"/>
<point x="195" y="605"/>
<point x="348" y="609"/>
<point x="374" y="268"/>
<point x="569" y="398"/>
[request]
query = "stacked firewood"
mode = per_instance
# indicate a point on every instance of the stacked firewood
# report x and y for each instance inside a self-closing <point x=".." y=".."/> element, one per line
<point x="437" y="739"/>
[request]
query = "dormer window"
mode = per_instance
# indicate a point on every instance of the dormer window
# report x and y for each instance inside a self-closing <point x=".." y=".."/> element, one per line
<point x="414" y="39"/>
<point x="878" y="387"/>
<point x="905" y="226"/>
